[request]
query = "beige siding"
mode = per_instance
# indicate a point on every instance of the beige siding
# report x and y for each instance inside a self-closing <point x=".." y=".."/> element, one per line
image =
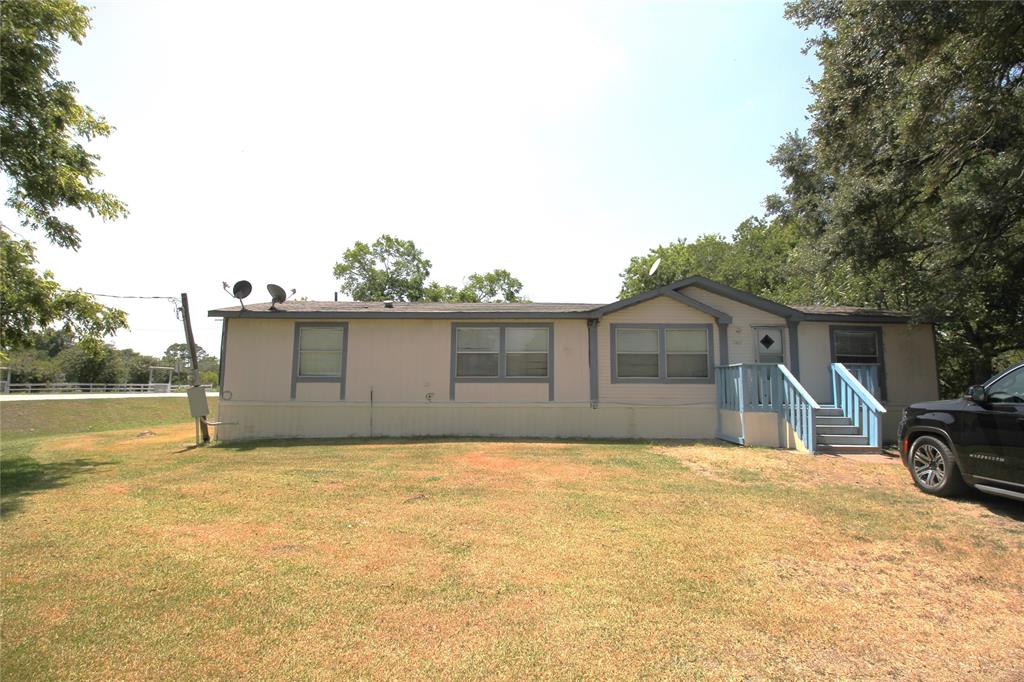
<point x="400" y="361"/>
<point x="744" y="319"/>
<point x="661" y="310"/>
<point x="910" y="366"/>
<point x="259" y="359"/>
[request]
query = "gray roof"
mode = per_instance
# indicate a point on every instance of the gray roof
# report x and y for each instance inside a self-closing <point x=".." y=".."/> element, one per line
<point x="490" y="311"/>
<point x="410" y="310"/>
<point x="839" y="312"/>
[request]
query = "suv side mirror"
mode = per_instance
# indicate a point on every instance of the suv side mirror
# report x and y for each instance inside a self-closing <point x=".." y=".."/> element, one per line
<point x="978" y="394"/>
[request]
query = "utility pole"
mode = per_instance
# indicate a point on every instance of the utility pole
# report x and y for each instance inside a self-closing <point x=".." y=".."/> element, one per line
<point x="200" y="420"/>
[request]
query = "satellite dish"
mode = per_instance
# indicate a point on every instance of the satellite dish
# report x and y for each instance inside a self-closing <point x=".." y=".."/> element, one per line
<point x="277" y="295"/>
<point x="654" y="267"/>
<point x="241" y="289"/>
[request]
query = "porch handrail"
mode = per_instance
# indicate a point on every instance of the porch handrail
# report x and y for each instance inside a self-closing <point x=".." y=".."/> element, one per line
<point x="857" y="403"/>
<point x="797" y="407"/>
<point x="792" y="380"/>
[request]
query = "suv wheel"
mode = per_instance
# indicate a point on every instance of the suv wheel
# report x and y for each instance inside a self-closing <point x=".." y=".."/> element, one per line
<point x="933" y="468"/>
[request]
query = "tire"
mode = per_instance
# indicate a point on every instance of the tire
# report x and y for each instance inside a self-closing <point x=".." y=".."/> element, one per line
<point x="933" y="468"/>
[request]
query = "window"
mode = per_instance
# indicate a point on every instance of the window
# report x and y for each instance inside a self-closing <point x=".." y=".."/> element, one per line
<point x="477" y="350"/>
<point x="637" y="352"/>
<point x="855" y="346"/>
<point x="503" y="352"/>
<point x="1008" y="389"/>
<point x="661" y="353"/>
<point x="686" y="352"/>
<point x="526" y="352"/>
<point x="320" y="351"/>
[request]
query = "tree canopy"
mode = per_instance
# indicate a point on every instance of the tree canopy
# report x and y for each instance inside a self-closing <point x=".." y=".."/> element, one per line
<point x="42" y="131"/>
<point x="907" y="192"/>
<point x="393" y="269"/>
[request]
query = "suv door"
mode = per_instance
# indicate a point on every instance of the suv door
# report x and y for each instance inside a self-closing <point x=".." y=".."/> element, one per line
<point x="1005" y="409"/>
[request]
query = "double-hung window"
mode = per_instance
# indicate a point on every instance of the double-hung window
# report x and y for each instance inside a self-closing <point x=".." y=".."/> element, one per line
<point x="661" y="353"/>
<point x="860" y="349"/>
<point x="320" y="351"/>
<point x="503" y="352"/>
<point x="478" y="352"/>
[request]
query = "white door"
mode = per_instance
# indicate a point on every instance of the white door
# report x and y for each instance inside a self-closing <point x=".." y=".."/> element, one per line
<point x="768" y="345"/>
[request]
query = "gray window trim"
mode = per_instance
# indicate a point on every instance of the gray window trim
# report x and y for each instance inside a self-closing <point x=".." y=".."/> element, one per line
<point x="502" y="378"/>
<point x="663" y="377"/>
<point x="794" y="347"/>
<point x="833" y="328"/>
<point x="296" y="379"/>
<point x="223" y="354"/>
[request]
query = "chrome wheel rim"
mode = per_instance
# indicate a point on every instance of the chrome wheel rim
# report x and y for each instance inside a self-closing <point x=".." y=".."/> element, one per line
<point x="929" y="466"/>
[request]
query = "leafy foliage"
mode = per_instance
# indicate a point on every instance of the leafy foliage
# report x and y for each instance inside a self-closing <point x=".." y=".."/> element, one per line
<point x="42" y="130"/>
<point x="32" y="300"/>
<point x="910" y="182"/>
<point x="393" y="269"/>
<point x="41" y="122"/>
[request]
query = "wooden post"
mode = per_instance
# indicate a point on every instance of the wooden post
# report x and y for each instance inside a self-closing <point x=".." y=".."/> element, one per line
<point x="203" y="429"/>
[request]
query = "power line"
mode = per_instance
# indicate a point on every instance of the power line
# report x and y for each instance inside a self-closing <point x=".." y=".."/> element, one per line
<point x="157" y="298"/>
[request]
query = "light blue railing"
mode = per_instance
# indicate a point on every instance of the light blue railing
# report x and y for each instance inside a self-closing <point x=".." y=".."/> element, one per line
<point x="797" y="408"/>
<point x="857" y="403"/>
<point x="760" y="387"/>
<point x="867" y="375"/>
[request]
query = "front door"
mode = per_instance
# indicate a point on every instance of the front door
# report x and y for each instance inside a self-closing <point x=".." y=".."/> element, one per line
<point x="768" y="345"/>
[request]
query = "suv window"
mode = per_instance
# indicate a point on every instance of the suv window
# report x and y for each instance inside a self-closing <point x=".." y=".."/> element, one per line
<point x="1009" y="389"/>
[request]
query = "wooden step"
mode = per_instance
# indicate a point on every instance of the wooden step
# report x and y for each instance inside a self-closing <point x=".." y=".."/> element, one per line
<point x="828" y="412"/>
<point x="837" y="429"/>
<point x="847" y="449"/>
<point x="832" y="421"/>
<point x="841" y="439"/>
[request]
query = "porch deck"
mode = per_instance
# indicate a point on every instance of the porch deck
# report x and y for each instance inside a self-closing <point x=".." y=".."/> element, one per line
<point x="764" y="404"/>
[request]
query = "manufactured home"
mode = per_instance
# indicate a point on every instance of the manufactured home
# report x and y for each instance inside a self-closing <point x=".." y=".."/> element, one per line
<point x="691" y="360"/>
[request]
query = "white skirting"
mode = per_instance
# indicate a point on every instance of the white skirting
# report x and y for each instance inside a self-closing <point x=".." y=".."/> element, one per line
<point x="256" y="420"/>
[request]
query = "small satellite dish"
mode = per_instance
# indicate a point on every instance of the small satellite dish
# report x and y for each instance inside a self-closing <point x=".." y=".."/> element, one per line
<point x="241" y="289"/>
<point x="654" y="267"/>
<point x="277" y="295"/>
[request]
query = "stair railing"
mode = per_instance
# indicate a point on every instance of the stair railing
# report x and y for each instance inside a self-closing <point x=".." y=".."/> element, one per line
<point x="797" y="407"/>
<point x="857" y="403"/>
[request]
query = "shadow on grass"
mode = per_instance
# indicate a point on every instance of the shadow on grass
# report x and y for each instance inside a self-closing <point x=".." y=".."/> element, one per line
<point x="247" y="445"/>
<point x="21" y="476"/>
<point x="1000" y="506"/>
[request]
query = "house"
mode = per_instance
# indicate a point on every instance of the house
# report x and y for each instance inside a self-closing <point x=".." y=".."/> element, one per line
<point x="693" y="359"/>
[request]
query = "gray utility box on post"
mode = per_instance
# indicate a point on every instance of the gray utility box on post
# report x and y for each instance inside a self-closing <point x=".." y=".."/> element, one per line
<point x="197" y="403"/>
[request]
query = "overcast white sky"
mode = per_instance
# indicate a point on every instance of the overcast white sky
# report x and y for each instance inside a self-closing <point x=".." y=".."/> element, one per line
<point x="258" y="141"/>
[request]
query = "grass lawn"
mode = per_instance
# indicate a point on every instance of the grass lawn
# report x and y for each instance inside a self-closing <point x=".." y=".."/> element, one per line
<point x="127" y="555"/>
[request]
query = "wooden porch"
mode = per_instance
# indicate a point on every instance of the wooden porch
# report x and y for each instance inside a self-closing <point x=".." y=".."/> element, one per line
<point x="765" y="405"/>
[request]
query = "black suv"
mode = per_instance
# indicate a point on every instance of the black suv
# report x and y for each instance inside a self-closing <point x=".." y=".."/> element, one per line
<point x="977" y="440"/>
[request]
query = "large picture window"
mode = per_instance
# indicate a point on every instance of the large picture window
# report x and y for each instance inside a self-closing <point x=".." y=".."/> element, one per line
<point x="502" y="352"/>
<point x="661" y="353"/>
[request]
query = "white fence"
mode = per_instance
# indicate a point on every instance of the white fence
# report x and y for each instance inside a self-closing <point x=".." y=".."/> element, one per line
<point x="71" y="387"/>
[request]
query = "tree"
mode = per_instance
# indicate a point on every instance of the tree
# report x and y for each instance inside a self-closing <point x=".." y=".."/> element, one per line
<point x="32" y="300"/>
<point x="178" y="352"/>
<point x="910" y="181"/>
<point x="390" y="269"/>
<point x="393" y="269"/>
<point x="92" y="361"/>
<point x="756" y="259"/>
<point x="42" y="130"/>
<point x="491" y="287"/>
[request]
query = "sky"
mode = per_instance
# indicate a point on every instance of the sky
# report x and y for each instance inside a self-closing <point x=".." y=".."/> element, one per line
<point x="555" y="139"/>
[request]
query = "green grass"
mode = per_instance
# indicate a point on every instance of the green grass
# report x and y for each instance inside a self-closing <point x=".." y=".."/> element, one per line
<point x="28" y="418"/>
<point x="131" y="557"/>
